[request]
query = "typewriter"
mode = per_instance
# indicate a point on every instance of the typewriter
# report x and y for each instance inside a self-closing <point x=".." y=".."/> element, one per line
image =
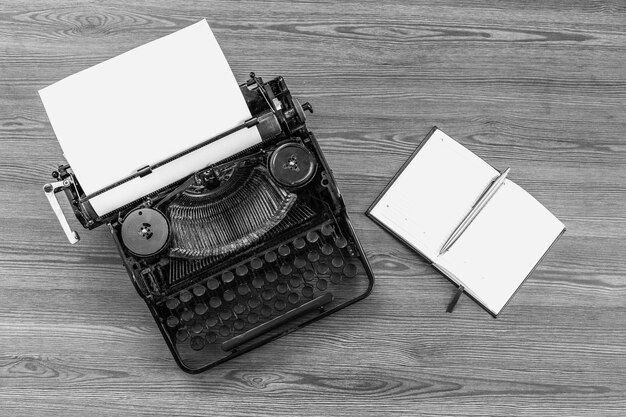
<point x="243" y="251"/>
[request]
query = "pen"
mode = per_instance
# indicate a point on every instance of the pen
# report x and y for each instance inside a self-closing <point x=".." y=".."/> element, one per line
<point x="480" y="204"/>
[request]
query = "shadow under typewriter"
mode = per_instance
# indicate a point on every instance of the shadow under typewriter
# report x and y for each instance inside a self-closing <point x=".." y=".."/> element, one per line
<point x="314" y="268"/>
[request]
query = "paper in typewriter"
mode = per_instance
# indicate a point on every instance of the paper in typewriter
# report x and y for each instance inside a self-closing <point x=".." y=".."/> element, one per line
<point x="499" y="249"/>
<point x="144" y="106"/>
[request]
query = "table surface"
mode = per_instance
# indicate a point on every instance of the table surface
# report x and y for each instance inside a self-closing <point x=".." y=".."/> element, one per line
<point x="536" y="86"/>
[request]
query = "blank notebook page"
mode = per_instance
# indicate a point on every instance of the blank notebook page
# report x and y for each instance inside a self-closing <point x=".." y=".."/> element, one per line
<point x="501" y="246"/>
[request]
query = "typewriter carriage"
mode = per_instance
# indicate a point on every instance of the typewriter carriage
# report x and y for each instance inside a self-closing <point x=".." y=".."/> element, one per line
<point x="278" y="114"/>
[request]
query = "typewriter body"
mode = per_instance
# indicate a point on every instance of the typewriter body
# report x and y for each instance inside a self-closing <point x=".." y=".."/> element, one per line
<point x="244" y="251"/>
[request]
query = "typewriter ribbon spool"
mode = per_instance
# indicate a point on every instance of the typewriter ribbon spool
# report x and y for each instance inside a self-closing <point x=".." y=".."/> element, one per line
<point x="292" y="165"/>
<point x="145" y="231"/>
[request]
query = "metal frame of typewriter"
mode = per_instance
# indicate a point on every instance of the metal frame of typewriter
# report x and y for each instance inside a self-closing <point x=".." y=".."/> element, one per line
<point x="280" y="119"/>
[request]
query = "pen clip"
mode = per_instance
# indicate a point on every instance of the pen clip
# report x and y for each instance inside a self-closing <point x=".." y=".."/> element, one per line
<point x="455" y="299"/>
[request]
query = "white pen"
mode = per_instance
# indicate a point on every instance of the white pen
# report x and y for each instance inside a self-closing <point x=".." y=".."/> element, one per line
<point x="480" y="204"/>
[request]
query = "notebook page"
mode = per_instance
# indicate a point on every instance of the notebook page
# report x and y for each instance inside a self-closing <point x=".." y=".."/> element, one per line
<point x="501" y="246"/>
<point x="433" y="193"/>
<point x="143" y="106"/>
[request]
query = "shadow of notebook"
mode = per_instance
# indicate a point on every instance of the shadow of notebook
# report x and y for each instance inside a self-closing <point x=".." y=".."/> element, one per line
<point x="431" y="195"/>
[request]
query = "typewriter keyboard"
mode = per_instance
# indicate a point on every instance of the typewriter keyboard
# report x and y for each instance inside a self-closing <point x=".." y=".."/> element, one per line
<point x="318" y="269"/>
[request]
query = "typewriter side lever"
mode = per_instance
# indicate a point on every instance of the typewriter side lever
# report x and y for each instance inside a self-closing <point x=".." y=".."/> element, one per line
<point x="50" y="190"/>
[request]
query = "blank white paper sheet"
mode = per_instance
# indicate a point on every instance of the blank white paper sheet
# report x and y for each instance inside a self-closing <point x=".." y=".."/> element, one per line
<point x="144" y="106"/>
<point x="499" y="249"/>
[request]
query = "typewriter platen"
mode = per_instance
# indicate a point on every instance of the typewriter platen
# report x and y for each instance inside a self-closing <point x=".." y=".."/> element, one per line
<point x="244" y="251"/>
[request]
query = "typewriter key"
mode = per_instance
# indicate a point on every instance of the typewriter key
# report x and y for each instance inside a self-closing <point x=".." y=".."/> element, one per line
<point x="341" y="242"/>
<point x="212" y="284"/>
<point x="321" y="284"/>
<point x="299" y="262"/>
<point x="350" y="270"/>
<point x="257" y="282"/>
<point x="227" y="277"/>
<point x="267" y="294"/>
<point x="241" y="270"/>
<point x="145" y="232"/>
<point x="266" y="311"/>
<point x="186" y="315"/>
<point x="211" y="337"/>
<point x="327" y="229"/>
<point x="271" y="276"/>
<point x="172" y="303"/>
<point x="313" y="256"/>
<point x="282" y="288"/>
<point x="293" y="298"/>
<point x="312" y="236"/>
<point x="308" y="275"/>
<point x="253" y="318"/>
<point x="327" y="249"/>
<point x="335" y="278"/>
<point x="323" y="269"/>
<point x="295" y="281"/>
<point x="337" y="262"/>
<point x="243" y="289"/>
<point x="253" y="303"/>
<point x="280" y="305"/>
<point x="292" y="165"/>
<point x="239" y="324"/>
<point x="197" y="328"/>
<point x="201" y="308"/>
<point x="215" y="302"/>
<point x="239" y="309"/>
<point x="256" y="263"/>
<point x="229" y="296"/>
<point x="211" y="321"/>
<point x="185" y="296"/>
<point x="307" y="291"/>
<point x="299" y="243"/>
<point x="283" y="250"/>
<point x="172" y="321"/>
<point x="197" y="343"/>
<point x="270" y="257"/>
<point x="286" y="269"/>
<point x="182" y="335"/>
<point x="224" y="330"/>
<point x="226" y="314"/>
<point x="199" y="290"/>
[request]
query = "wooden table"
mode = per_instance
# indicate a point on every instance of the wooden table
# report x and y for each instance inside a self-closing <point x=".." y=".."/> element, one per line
<point x="536" y="86"/>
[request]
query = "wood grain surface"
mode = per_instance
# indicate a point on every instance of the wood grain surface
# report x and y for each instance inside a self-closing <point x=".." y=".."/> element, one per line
<point x="536" y="86"/>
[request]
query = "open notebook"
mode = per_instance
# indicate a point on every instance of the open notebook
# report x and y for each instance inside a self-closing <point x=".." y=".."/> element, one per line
<point x="431" y="195"/>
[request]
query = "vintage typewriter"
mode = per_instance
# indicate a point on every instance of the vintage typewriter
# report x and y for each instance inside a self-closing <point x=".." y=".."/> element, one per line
<point x="244" y="251"/>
